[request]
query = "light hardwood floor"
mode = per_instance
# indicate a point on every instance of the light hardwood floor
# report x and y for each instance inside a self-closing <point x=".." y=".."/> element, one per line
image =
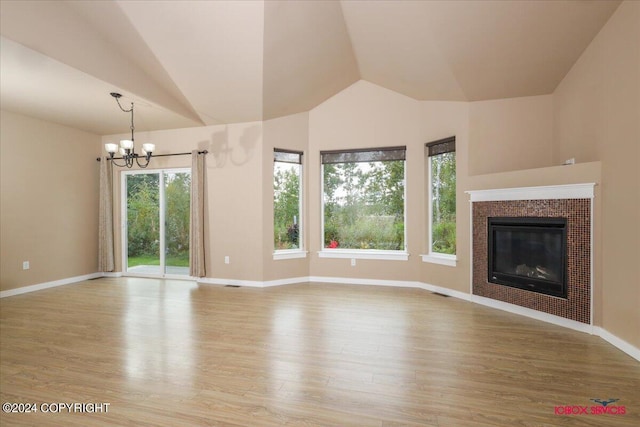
<point x="172" y="353"/>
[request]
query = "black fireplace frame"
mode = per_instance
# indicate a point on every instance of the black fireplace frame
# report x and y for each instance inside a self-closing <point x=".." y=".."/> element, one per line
<point x="547" y="287"/>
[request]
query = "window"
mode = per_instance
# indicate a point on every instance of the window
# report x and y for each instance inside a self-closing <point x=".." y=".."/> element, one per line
<point x="363" y="200"/>
<point x="287" y="200"/>
<point x="442" y="197"/>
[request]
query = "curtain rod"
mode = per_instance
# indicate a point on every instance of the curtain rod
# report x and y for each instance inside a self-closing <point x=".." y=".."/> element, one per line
<point x="159" y="155"/>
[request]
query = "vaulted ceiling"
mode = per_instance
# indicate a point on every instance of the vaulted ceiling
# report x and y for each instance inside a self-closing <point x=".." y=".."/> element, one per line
<point x="191" y="63"/>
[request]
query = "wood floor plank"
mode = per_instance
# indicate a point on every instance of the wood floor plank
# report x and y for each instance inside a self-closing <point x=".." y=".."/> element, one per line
<point x="166" y="353"/>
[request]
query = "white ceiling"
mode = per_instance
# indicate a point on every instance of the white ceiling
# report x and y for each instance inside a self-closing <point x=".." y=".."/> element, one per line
<point x="190" y="63"/>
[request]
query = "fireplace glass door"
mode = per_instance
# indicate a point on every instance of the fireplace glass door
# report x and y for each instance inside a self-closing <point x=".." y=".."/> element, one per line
<point x="528" y="253"/>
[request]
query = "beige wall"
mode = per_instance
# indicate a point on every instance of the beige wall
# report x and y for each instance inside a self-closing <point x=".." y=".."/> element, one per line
<point x="49" y="201"/>
<point x="439" y="120"/>
<point x="597" y="117"/>
<point x="289" y="133"/>
<point x="234" y="225"/>
<point x="510" y="134"/>
<point x="364" y="116"/>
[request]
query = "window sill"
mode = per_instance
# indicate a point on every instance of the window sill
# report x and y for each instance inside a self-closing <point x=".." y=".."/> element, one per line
<point x="364" y="254"/>
<point x="289" y="254"/>
<point x="442" y="259"/>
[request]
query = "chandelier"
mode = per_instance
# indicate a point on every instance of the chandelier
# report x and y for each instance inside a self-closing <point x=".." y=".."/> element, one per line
<point x="127" y="149"/>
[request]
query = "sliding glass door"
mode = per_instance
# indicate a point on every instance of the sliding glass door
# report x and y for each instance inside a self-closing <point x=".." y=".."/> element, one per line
<point x="156" y="230"/>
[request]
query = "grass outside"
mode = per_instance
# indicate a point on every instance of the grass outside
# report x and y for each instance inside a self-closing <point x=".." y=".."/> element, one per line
<point x="181" y="260"/>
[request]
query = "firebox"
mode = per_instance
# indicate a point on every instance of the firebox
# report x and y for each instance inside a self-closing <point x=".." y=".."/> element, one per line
<point x="528" y="253"/>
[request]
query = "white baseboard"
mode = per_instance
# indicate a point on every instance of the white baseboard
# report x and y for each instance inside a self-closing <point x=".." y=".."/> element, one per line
<point x="367" y="282"/>
<point x="534" y="314"/>
<point x="391" y="283"/>
<point x="47" y="285"/>
<point x="251" y="283"/>
<point x="500" y="305"/>
<point x="289" y="281"/>
<point x="445" y="291"/>
<point x="112" y="274"/>
<point x="618" y="342"/>
<point x="232" y="282"/>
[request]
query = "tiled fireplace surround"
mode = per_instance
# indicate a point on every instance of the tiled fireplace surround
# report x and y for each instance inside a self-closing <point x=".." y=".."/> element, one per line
<point x="571" y="202"/>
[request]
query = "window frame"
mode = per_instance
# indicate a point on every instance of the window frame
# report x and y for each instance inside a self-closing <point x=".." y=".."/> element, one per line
<point x="377" y="254"/>
<point x="300" y="252"/>
<point x="124" y="226"/>
<point x="445" y="145"/>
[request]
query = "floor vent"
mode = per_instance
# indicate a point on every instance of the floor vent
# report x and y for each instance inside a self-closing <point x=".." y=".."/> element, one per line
<point x="231" y="286"/>
<point x="440" y="295"/>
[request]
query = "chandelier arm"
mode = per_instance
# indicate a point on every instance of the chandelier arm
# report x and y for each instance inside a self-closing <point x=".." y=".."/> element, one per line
<point x="118" y="101"/>
<point x="155" y="155"/>
<point x="118" y="164"/>
<point x="141" y="165"/>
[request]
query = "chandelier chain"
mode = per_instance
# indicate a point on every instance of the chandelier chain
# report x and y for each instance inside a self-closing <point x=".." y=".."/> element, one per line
<point x="127" y="147"/>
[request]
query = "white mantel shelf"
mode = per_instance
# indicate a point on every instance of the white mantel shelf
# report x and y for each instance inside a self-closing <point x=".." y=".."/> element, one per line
<point x="570" y="191"/>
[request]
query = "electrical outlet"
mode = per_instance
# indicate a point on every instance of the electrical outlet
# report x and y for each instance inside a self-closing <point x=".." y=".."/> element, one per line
<point x="226" y="259"/>
<point x="353" y="262"/>
<point x="25" y="265"/>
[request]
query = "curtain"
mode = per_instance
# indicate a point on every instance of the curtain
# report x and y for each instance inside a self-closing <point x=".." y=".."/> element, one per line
<point x="105" y="220"/>
<point x="196" y="226"/>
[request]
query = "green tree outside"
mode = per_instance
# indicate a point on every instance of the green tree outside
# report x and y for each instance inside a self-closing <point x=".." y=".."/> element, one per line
<point x="286" y="205"/>
<point x="364" y="205"/>
<point x="143" y="215"/>
<point x="143" y="219"/>
<point x="443" y="199"/>
<point x="177" y="218"/>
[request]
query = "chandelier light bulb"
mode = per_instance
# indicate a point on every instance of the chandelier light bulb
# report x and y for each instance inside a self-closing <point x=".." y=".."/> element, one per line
<point x="111" y="147"/>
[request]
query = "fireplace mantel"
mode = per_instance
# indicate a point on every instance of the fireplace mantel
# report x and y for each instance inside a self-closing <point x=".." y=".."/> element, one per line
<point x="549" y="192"/>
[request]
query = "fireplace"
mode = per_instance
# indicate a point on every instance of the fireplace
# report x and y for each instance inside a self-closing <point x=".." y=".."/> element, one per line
<point x="569" y="204"/>
<point x="528" y="253"/>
